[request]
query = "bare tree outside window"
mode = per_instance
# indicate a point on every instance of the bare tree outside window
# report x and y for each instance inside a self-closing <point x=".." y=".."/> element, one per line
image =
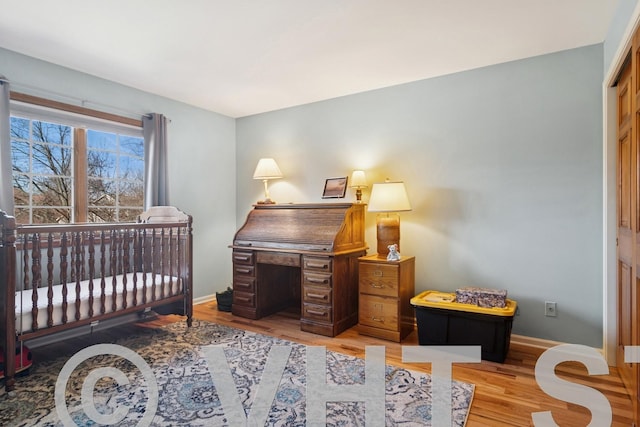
<point x="43" y="181"/>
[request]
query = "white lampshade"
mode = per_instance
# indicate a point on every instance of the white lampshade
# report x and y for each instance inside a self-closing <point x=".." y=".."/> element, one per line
<point x="267" y="168"/>
<point x="358" y="179"/>
<point x="389" y="197"/>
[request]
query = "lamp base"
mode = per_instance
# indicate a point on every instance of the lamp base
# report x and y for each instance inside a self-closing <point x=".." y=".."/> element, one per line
<point x="388" y="232"/>
<point x="266" y="202"/>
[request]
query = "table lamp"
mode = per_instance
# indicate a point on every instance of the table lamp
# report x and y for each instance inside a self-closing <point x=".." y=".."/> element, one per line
<point x="388" y="198"/>
<point x="267" y="169"/>
<point x="358" y="181"/>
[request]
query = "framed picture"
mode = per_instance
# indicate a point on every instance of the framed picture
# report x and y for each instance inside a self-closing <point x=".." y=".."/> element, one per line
<point x="335" y="188"/>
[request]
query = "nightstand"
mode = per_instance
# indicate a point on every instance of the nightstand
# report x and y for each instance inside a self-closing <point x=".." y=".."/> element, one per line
<point x="385" y="291"/>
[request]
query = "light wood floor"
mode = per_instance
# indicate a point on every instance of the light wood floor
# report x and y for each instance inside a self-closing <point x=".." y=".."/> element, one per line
<point x="506" y="394"/>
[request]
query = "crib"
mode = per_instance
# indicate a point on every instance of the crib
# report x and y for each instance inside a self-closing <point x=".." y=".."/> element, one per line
<point x="62" y="276"/>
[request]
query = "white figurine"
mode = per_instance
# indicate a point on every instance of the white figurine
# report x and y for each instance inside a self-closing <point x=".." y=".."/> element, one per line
<point x="394" y="255"/>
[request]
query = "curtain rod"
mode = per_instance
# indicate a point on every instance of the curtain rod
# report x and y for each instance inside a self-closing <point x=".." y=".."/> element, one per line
<point x="81" y="102"/>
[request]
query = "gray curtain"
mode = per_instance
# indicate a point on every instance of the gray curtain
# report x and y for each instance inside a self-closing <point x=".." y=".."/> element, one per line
<point x="156" y="189"/>
<point x="6" y="181"/>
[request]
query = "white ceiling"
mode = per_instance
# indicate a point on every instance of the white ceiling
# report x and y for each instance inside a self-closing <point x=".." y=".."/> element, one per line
<point x="242" y="57"/>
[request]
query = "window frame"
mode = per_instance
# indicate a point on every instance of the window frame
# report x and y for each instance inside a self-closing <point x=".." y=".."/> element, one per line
<point x="81" y="119"/>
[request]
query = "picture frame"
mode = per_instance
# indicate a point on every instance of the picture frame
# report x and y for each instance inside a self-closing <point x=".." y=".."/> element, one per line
<point x="335" y="188"/>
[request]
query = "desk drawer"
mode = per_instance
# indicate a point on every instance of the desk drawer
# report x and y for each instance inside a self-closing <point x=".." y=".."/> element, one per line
<point x="316" y="295"/>
<point x="379" y="312"/>
<point x="244" y="284"/>
<point x="316" y="279"/>
<point x="244" y="298"/>
<point x="279" y="258"/>
<point x="379" y="279"/>
<point x="243" y="270"/>
<point x="316" y="312"/>
<point x="240" y="257"/>
<point x="317" y="263"/>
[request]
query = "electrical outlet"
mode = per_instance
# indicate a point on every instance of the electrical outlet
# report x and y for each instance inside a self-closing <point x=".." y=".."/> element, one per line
<point x="550" y="309"/>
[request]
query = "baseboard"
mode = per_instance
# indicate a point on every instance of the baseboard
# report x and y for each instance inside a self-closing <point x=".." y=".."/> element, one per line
<point x="204" y="299"/>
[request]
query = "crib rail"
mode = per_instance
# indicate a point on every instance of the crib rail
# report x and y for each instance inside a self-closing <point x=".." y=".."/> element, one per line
<point x="54" y="277"/>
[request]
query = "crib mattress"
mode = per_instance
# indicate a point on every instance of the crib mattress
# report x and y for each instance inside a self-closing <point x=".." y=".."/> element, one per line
<point x="24" y="303"/>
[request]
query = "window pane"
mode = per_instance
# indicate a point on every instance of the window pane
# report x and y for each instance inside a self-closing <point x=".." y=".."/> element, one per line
<point x="102" y="192"/>
<point x="49" y="159"/>
<point x="22" y="215"/>
<point x="20" y="153"/>
<point x="132" y="146"/>
<point x="101" y="140"/>
<point x="51" y="215"/>
<point x="19" y="128"/>
<point x="21" y="189"/>
<point x="131" y="194"/>
<point x="131" y="168"/>
<point x="102" y="214"/>
<point x="130" y="215"/>
<point x="51" y="191"/>
<point x="51" y="132"/>
<point x="102" y="164"/>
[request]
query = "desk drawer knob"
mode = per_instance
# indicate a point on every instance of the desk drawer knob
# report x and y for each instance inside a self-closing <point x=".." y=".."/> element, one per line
<point x="377" y="285"/>
<point x="377" y="319"/>
<point x="317" y="296"/>
<point x="317" y="313"/>
<point x="323" y="266"/>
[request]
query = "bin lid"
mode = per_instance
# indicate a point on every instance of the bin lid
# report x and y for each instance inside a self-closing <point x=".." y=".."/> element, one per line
<point x="445" y="300"/>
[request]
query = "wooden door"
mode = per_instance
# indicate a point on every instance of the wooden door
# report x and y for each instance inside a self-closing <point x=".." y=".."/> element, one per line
<point x="626" y="224"/>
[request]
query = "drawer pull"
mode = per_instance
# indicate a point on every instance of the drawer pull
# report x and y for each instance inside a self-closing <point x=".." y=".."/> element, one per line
<point x="242" y="257"/>
<point x="243" y="270"/>
<point x="243" y="299"/>
<point x="377" y="286"/>
<point x="377" y="273"/>
<point x="317" y="313"/>
<point x="315" y="265"/>
<point x="377" y="319"/>
<point x="317" y="296"/>
<point x="315" y="280"/>
<point x="241" y="285"/>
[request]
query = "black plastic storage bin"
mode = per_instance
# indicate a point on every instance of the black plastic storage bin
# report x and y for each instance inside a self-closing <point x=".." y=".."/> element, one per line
<point x="442" y="321"/>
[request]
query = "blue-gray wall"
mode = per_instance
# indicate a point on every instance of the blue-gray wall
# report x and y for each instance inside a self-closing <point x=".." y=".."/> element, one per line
<point x="201" y="154"/>
<point x="503" y="166"/>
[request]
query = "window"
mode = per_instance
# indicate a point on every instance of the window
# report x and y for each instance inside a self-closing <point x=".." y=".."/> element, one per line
<point x="70" y="168"/>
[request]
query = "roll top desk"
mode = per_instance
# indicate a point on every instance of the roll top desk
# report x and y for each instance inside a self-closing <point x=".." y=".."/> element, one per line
<point x="303" y="256"/>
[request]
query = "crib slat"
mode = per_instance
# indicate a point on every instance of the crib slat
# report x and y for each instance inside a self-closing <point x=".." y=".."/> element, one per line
<point x="125" y="266"/>
<point x="143" y="264"/>
<point x="103" y="285"/>
<point x="78" y="268"/>
<point x="154" y="257"/>
<point x="114" y="269"/>
<point x="92" y="270"/>
<point x="35" y="278"/>
<point x="64" y="265"/>
<point x="171" y="250"/>
<point x="50" y="280"/>
<point x="162" y="263"/>
<point x="135" y="257"/>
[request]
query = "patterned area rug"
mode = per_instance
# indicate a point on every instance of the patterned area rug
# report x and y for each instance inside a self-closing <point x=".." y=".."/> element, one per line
<point x="181" y="384"/>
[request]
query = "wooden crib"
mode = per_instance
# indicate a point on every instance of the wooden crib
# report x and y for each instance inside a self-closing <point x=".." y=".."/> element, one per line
<point x="57" y="277"/>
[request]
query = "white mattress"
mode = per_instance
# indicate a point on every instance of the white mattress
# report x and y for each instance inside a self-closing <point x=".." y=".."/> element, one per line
<point x="24" y="303"/>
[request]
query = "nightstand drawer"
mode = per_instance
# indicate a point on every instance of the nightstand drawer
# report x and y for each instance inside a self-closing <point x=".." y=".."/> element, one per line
<point x="379" y="312"/>
<point x="379" y="279"/>
<point x="316" y="295"/>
